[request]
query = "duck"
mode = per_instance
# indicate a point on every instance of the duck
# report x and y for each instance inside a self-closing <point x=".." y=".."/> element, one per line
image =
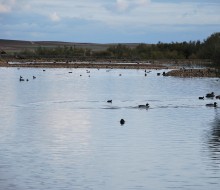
<point x="34" y="77"/>
<point x="212" y="105"/>
<point x="144" y="106"/>
<point x="217" y="97"/>
<point x="201" y="98"/>
<point x="210" y="95"/>
<point x="122" y="121"/>
<point x="21" y="78"/>
<point x="109" y="101"/>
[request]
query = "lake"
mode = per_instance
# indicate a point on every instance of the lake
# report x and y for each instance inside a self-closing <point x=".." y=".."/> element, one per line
<point x="58" y="131"/>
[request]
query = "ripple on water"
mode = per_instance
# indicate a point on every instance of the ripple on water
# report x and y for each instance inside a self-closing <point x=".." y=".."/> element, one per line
<point x="58" y="131"/>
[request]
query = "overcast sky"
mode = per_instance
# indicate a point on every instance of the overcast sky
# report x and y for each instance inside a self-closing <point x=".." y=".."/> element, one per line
<point x="109" y="21"/>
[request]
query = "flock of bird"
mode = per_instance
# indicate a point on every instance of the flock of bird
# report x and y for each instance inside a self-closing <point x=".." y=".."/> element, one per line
<point x="210" y="96"/>
<point x="88" y="72"/>
<point x="22" y="79"/>
<point x="146" y="106"/>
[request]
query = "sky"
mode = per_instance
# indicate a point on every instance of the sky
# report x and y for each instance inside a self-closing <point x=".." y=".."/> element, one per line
<point x="109" y="21"/>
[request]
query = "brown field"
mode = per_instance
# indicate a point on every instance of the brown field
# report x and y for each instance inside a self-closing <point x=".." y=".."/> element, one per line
<point x="11" y="46"/>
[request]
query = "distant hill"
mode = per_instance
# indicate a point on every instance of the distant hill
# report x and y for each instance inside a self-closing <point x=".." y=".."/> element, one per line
<point x="11" y="46"/>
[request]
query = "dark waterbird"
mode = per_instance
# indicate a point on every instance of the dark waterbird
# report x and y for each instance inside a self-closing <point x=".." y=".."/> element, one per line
<point x="21" y="78"/>
<point x="212" y="105"/>
<point x="144" y="106"/>
<point x="201" y="98"/>
<point x="217" y="97"/>
<point x="122" y="121"/>
<point x="210" y="95"/>
<point x="109" y="101"/>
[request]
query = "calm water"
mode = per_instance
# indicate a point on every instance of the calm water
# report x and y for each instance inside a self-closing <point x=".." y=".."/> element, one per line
<point x="57" y="131"/>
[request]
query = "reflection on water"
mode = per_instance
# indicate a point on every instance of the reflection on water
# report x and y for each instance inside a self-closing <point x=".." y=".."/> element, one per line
<point x="214" y="139"/>
<point x="59" y="132"/>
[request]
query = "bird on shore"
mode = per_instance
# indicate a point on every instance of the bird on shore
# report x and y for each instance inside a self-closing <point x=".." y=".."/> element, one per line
<point x="201" y="98"/>
<point x="212" y="105"/>
<point x="109" y="101"/>
<point x="210" y="95"/>
<point x="122" y="121"/>
<point x="144" y="106"/>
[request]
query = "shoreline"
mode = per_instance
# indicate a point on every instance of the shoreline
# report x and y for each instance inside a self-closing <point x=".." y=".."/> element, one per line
<point x="174" y="70"/>
<point x="95" y="65"/>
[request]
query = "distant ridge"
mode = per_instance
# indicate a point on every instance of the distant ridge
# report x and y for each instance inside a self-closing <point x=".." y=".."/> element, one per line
<point x="19" y="45"/>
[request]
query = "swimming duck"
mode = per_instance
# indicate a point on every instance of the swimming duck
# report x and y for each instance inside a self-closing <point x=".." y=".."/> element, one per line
<point x="144" y="106"/>
<point x="201" y="98"/>
<point x="212" y="105"/>
<point x="122" y="121"/>
<point x="109" y="101"/>
<point x="21" y="78"/>
<point x="217" y="97"/>
<point x="210" y="95"/>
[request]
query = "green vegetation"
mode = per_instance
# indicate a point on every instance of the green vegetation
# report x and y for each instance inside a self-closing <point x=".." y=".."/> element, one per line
<point x="210" y="49"/>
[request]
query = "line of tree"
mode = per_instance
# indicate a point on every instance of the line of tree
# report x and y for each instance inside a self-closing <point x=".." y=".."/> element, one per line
<point x="208" y="49"/>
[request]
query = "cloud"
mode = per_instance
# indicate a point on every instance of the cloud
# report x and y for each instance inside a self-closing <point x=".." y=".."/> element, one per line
<point x="118" y="18"/>
<point x="143" y="2"/>
<point x="4" y="8"/>
<point x="54" y="17"/>
<point x="123" y="5"/>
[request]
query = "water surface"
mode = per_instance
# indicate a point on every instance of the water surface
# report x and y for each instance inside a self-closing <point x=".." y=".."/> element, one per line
<point x="58" y="132"/>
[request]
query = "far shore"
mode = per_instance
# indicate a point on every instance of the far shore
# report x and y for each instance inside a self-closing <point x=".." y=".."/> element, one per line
<point x="173" y="69"/>
<point x="85" y="64"/>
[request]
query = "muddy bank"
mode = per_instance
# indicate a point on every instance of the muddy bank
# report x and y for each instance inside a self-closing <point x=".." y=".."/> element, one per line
<point x="84" y="65"/>
<point x="176" y="71"/>
<point x="209" y="72"/>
